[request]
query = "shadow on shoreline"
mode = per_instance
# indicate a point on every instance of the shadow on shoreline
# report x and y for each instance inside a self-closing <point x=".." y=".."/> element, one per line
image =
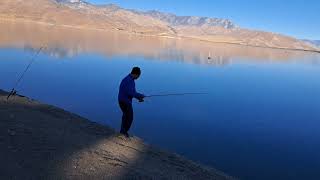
<point x="43" y="142"/>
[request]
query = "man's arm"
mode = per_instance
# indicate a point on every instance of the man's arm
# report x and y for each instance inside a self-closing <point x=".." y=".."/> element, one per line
<point x="133" y="93"/>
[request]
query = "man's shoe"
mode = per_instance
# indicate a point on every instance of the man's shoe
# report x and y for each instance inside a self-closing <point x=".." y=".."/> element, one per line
<point x="125" y="134"/>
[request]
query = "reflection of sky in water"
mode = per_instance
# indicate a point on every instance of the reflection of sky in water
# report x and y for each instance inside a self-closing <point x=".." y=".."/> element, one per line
<point x="259" y="121"/>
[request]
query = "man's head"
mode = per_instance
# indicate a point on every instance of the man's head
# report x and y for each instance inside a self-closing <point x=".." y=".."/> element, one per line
<point x="136" y="72"/>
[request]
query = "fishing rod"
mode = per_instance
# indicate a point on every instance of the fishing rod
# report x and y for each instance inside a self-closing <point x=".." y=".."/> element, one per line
<point x="13" y="91"/>
<point x="174" y="94"/>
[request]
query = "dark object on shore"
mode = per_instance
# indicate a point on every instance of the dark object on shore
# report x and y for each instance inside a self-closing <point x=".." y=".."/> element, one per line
<point x="13" y="92"/>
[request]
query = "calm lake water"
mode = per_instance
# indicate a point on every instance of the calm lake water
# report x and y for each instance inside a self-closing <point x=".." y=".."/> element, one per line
<point x="260" y="120"/>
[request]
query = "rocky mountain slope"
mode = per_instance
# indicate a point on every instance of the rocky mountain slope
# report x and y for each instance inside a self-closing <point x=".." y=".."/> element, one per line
<point x="175" y="20"/>
<point x="81" y="14"/>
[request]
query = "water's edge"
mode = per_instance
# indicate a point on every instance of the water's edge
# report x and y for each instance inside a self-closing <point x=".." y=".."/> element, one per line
<point x="60" y="144"/>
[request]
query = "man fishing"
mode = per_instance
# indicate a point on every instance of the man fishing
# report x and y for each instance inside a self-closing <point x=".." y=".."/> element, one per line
<point x="127" y="92"/>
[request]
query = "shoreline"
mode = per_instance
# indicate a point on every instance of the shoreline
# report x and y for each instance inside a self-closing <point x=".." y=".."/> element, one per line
<point x="39" y="141"/>
<point x="167" y="36"/>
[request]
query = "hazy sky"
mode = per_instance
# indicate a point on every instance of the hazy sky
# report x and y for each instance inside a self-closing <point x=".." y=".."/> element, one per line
<point x="299" y="18"/>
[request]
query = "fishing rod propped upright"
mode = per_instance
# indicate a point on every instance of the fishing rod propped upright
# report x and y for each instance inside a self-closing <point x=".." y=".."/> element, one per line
<point x="13" y="91"/>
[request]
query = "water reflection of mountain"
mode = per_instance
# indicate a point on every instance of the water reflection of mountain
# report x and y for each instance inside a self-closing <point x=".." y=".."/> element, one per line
<point x="56" y="52"/>
<point x="69" y="42"/>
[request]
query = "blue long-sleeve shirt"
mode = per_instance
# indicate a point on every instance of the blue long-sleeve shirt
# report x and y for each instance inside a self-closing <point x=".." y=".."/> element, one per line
<point x="127" y="90"/>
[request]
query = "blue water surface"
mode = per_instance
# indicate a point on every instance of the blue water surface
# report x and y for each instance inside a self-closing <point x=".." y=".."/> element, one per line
<point x="258" y="120"/>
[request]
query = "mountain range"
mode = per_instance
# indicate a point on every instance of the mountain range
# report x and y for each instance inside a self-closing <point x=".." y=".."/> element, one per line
<point x="81" y="14"/>
<point x="313" y="42"/>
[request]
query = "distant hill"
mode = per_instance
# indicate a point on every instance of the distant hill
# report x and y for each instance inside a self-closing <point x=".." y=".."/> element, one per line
<point x="313" y="42"/>
<point x="81" y="14"/>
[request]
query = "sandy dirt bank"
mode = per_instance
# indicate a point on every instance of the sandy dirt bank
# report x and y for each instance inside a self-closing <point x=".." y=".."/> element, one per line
<point x="39" y="141"/>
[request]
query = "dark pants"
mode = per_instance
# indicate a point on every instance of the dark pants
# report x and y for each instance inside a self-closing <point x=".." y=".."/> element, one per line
<point x="127" y="116"/>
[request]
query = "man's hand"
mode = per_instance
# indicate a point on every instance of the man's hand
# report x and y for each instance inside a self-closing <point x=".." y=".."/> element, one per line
<point x="141" y="99"/>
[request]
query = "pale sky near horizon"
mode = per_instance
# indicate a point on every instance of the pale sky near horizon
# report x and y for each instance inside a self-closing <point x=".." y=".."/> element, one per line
<point x="298" y="18"/>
